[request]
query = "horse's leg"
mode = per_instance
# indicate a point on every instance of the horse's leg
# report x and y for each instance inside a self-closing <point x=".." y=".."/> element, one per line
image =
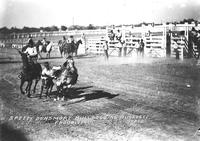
<point x="29" y="88"/>
<point x="76" y="51"/>
<point x="51" y="87"/>
<point x="26" y="89"/>
<point x="41" y="90"/>
<point x="36" y="82"/>
<point x="21" y="85"/>
<point x="47" y="92"/>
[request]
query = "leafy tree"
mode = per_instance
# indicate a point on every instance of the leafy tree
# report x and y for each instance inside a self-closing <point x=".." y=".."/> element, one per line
<point x="90" y="27"/>
<point x="4" y="30"/>
<point x="63" y="28"/>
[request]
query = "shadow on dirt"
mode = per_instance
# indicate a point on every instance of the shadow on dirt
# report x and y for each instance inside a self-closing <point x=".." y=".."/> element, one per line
<point x="8" y="133"/>
<point x="84" y="92"/>
<point x="94" y="94"/>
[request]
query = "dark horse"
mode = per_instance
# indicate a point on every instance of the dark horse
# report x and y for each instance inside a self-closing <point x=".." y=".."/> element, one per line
<point x="68" y="48"/>
<point x="30" y="72"/>
<point x="66" y="77"/>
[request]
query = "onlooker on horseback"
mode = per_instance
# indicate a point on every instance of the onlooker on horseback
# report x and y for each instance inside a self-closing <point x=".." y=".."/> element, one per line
<point x="64" y="40"/>
<point x="112" y="35"/>
<point x="44" y="41"/>
<point x="71" y="39"/>
<point x="119" y="36"/>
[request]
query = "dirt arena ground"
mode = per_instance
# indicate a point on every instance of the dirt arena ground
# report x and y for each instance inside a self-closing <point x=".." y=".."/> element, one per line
<point x="122" y="99"/>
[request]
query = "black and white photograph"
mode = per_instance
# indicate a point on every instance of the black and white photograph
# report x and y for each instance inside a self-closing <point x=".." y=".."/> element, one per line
<point x="99" y="70"/>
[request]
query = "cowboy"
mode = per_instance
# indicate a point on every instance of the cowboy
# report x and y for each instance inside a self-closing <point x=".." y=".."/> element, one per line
<point x="47" y="74"/>
<point x="105" y="48"/>
<point x="31" y="52"/>
<point x="44" y="42"/>
<point x="112" y="35"/>
<point x="141" y="48"/>
<point x="137" y="46"/>
<point x="71" y="74"/>
<point x="119" y="35"/>
<point x="30" y="41"/>
<point x="71" y="39"/>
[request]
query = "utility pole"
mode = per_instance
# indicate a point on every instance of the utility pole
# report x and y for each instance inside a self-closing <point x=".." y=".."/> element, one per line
<point x="73" y="20"/>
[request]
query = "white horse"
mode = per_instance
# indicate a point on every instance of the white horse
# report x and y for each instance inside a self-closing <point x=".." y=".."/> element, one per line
<point x="47" y="49"/>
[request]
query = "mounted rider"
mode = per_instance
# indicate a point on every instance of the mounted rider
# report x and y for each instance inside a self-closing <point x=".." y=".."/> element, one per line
<point x="72" y="45"/>
<point x="64" y="41"/>
<point x="119" y="36"/>
<point x="31" y="51"/>
<point x="44" y="43"/>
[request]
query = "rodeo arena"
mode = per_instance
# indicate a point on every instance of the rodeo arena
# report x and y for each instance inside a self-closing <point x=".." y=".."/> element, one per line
<point x="122" y="83"/>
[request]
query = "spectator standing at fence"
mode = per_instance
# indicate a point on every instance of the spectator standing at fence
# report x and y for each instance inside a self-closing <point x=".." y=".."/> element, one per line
<point x="105" y="48"/>
<point x="141" y="48"/>
<point x="176" y="50"/>
<point x="83" y="38"/>
<point x="137" y="47"/>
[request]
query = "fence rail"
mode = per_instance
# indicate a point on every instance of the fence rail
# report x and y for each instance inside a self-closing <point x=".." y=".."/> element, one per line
<point x="154" y="37"/>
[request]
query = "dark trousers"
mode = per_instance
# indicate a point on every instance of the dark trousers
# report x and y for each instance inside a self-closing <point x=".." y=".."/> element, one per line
<point x="106" y="54"/>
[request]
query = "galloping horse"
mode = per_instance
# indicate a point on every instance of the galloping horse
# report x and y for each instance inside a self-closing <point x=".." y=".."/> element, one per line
<point x="68" y="48"/>
<point x="46" y="49"/>
<point x="66" y="76"/>
<point x="30" y="72"/>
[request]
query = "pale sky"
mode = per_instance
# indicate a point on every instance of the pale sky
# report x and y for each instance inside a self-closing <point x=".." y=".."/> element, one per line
<point x="37" y="13"/>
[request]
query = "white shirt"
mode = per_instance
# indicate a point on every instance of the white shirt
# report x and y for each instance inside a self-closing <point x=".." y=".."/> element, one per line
<point x="47" y="72"/>
<point x="137" y="45"/>
<point x="31" y="51"/>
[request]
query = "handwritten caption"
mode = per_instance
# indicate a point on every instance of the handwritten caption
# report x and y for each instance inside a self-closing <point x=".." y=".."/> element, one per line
<point x="59" y="120"/>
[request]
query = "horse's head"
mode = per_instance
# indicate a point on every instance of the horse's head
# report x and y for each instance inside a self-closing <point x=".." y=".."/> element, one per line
<point x="79" y="42"/>
<point x="38" y="43"/>
<point x="60" y="42"/>
<point x="24" y="57"/>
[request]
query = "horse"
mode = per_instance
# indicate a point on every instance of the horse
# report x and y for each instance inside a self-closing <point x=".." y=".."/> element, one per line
<point x="30" y="72"/>
<point x="44" y="48"/>
<point x="68" y="48"/>
<point x="66" y="77"/>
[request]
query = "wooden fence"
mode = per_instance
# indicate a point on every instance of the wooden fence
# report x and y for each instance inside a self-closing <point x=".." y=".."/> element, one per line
<point x="159" y="40"/>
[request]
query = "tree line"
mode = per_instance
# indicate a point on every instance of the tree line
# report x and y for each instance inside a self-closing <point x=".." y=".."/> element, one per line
<point x="25" y="29"/>
<point x="5" y="30"/>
